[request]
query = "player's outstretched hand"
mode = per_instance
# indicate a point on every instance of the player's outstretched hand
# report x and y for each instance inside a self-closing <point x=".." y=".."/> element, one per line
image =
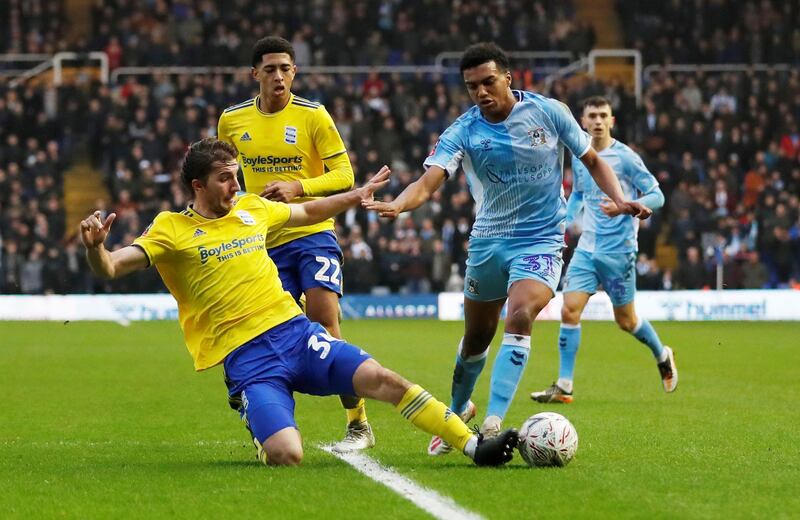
<point x="93" y="231"/>
<point x="634" y="208"/>
<point x="378" y="181"/>
<point x="282" y="191"/>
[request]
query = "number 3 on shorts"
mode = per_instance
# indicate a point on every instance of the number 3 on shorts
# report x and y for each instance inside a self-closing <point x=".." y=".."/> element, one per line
<point x="329" y="270"/>
<point x="317" y="344"/>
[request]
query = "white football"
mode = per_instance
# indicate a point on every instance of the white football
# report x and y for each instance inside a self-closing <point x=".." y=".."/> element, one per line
<point x="547" y="439"/>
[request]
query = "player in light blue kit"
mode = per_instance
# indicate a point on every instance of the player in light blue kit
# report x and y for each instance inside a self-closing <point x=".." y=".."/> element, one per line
<point x="511" y="147"/>
<point x="606" y="252"/>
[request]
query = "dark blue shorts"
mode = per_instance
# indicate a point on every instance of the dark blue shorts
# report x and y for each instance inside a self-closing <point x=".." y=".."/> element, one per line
<point x="308" y="262"/>
<point x="296" y="356"/>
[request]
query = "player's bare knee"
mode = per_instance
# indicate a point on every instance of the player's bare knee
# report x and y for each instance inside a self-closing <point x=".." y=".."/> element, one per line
<point x="570" y="316"/>
<point x="520" y="319"/>
<point x="285" y="456"/>
<point x="626" y="323"/>
<point x="476" y="343"/>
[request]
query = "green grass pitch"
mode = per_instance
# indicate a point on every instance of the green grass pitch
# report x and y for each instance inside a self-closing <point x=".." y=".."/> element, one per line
<point x="103" y="421"/>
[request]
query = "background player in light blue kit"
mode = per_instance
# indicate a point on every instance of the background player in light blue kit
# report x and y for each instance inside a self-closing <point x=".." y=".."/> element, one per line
<point x="606" y="252"/>
<point x="511" y="147"/>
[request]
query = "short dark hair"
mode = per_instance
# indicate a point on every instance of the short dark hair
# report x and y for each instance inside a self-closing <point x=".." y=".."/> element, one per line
<point x="595" y="101"/>
<point x="484" y="52"/>
<point x="200" y="158"/>
<point x="271" y="45"/>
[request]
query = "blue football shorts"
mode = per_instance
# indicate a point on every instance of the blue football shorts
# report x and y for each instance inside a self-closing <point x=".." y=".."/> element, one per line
<point x="616" y="272"/>
<point x="295" y="356"/>
<point x="307" y="262"/>
<point x="493" y="264"/>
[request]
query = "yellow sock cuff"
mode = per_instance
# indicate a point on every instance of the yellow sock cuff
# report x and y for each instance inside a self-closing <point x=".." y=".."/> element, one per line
<point x="431" y="415"/>
<point x="357" y="413"/>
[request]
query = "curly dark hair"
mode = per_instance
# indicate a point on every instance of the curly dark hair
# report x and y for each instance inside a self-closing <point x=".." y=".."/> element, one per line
<point x="484" y="52"/>
<point x="271" y="45"/>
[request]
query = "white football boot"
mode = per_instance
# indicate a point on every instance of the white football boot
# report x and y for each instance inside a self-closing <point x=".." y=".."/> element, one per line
<point x="359" y="436"/>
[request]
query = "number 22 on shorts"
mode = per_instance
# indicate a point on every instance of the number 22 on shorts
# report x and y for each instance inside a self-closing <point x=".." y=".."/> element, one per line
<point x="329" y="271"/>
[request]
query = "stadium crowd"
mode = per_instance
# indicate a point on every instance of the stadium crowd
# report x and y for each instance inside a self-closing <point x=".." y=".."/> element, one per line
<point x="712" y="31"/>
<point x="364" y="32"/>
<point x="725" y="147"/>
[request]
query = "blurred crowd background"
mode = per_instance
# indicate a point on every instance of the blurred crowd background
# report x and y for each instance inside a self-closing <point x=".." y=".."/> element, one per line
<point x="725" y="146"/>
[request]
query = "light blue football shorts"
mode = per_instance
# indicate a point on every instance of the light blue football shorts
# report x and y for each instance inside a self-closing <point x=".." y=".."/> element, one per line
<point x="615" y="271"/>
<point x="494" y="264"/>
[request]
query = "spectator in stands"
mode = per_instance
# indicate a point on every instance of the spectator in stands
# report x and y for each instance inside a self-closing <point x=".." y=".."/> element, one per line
<point x="754" y="273"/>
<point x="691" y="273"/>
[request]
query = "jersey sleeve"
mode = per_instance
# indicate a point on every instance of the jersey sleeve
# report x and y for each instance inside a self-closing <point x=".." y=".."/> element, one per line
<point x="637" y="172"/>
<point x="277" y="212"/>
<point x="448" y="152"/>
<point x="642" y="180"/>
<point x="326" y="137"/>
<point x="569" y="132"/>
<point x="158" y="239"/>
<point x="577" y="177"/>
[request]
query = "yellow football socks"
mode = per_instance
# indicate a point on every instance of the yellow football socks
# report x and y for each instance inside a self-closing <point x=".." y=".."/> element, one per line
<point x="357" y="414"/>
<point x="432" y="416"/>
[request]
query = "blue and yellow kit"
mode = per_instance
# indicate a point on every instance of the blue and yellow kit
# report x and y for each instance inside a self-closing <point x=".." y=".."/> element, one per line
<point x="218" y="270"/>
<point x="296" y="143"/>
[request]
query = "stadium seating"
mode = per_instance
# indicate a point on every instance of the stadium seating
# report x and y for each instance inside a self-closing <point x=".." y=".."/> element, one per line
<point x="724" y="145"/>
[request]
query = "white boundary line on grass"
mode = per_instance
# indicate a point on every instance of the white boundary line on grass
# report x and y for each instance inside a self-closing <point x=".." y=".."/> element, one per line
<point x="436" y="505"/>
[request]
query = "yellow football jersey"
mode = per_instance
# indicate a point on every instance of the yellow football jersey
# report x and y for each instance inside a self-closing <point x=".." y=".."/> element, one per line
<point x="289" y="145"/>
<point x="218" y="270"/>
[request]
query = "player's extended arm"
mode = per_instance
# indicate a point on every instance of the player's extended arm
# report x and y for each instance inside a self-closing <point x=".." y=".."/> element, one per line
<point x="653" y="199"/>
<point x="414" y="196"/>
<point x="318" y="210"/>
<point x="605" y="178"/>
<point x="102" y="262"/>
<point x="574" y="205"/>
<point x="337" y="179"/>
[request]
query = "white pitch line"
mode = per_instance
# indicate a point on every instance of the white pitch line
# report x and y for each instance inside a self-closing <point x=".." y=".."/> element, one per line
<point x="436" y="505"/>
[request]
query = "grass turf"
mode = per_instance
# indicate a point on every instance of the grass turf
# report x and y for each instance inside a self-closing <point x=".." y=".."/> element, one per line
<point x="100" y="421"/>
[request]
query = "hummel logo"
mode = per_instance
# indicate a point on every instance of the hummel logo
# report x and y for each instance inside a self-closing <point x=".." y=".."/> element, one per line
<point x="245" y="137"/>
<point x="198" y="233"/>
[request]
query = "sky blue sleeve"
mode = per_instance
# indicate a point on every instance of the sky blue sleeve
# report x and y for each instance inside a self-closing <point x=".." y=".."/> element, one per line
<point x="569" y="132"/>
<point x="448" y="151"/>
<point x="574" y="206"/>
<point x="643" y="180"/>
<point x="575" y="201"/>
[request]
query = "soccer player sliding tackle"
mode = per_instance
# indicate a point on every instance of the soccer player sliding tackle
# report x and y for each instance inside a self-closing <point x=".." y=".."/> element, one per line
<point x="233" y="309"/>
<point x="290" y="151"/>
<point x="510" y="146"/>
<point x="606" y="253"/>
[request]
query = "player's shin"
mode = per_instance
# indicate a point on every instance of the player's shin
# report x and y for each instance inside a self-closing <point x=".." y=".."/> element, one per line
<point x="507" y="372"/>
<point x="569" y="339"/>
<point x="645" y="333"/>
<point x="432" y="416"/>
<point x="465" y="374"/>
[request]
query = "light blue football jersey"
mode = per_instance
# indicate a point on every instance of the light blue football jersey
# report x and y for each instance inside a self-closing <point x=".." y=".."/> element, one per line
<point x="601" y="233"/>
<point x="514" y="168"/>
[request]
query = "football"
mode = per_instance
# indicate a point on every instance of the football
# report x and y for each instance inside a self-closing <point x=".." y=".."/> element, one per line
<point x="547" y="439"/>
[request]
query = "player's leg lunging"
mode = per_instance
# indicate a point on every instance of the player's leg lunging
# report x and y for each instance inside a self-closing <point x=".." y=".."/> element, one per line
<point x="322" y="306"/>
<point x="526" y="298"/>
<point x="480" y="325"/>
<point x="431" y="415"/>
